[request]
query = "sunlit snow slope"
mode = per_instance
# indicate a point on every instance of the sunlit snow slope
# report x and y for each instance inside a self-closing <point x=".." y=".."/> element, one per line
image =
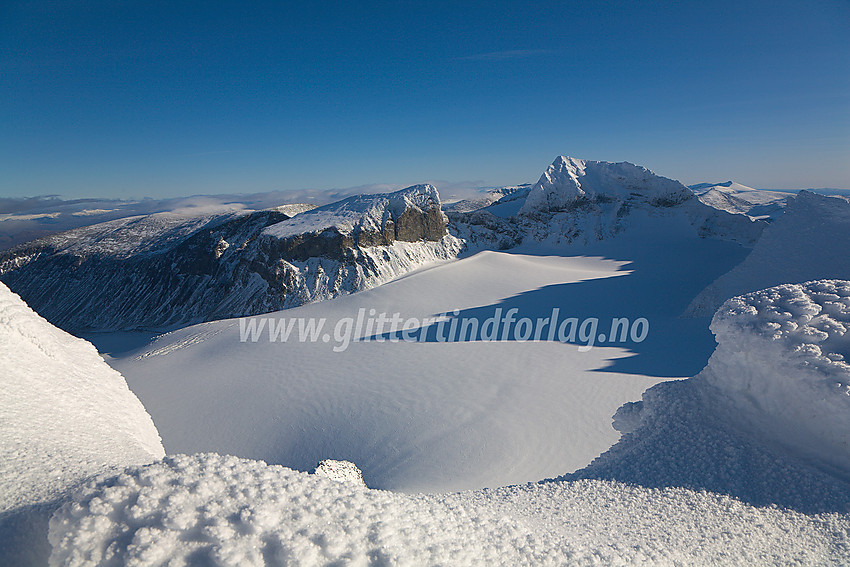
<point x="65" y="415"/>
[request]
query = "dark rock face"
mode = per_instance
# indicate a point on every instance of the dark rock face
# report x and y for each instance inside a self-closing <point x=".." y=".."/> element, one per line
<point x="226" y="269"/>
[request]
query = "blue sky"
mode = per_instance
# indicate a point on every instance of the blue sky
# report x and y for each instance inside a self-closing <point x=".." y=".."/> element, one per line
<point x="131" y="99"/>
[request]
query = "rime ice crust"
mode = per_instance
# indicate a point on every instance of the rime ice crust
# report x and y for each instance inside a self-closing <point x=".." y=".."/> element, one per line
<point x="781" y="358"/>
<point x="341" y="471"/>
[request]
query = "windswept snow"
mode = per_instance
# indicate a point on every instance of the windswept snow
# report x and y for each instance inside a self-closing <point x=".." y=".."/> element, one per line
<point x="206" y="509"/>
<point x="768" y="419"/>
<point x="810" y="241"/>
<point x="65" y="416"/>
<point x="740" y="199"/>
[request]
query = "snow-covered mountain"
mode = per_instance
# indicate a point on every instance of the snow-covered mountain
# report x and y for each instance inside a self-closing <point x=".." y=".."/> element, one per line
<point x="169" y="269"/>
<point x="740" y="199"/>
<point x="809" y="241"/>
<point x="581" y="201"/>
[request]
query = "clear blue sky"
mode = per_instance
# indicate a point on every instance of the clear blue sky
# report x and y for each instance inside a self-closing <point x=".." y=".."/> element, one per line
<point x="143" y="98"/>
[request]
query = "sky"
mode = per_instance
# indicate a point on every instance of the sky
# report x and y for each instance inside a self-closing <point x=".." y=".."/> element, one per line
<point x="128" y="99"/>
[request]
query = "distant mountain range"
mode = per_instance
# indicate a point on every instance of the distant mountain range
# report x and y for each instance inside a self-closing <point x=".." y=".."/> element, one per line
<point x="195" y="264"/>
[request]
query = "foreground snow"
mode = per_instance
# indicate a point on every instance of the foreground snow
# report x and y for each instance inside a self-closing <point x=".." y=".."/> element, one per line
<point x="65" y="416"/>
<point x="213" y="510"/>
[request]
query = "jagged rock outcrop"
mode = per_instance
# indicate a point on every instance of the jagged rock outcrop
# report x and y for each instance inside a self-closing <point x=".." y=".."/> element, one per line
<point x="164" y="270"/>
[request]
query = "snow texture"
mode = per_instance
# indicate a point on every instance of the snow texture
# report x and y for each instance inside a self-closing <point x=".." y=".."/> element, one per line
<point x="767" y="420"/>
<point x="65" y="416"/>
<point x="808" y="242"/>
<point x="211" y="510"/>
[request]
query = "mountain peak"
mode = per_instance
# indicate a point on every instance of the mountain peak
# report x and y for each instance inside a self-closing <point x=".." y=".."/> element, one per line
<point x="569" y="179"/>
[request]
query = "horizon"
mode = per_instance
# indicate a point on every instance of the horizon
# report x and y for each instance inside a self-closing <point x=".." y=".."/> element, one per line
<point x="169" y="101"/>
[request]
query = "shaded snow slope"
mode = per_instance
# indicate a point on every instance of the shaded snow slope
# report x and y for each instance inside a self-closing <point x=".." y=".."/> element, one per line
<point x="64" y="415"/>
<point x="207" y="509"/>
<point x="810" y="241"/>
<point x="768" y="419"/>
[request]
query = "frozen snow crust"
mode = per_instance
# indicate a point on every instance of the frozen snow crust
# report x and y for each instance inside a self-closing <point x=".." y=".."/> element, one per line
<point x="211" y="510"/>
<point x="767" y="420"/>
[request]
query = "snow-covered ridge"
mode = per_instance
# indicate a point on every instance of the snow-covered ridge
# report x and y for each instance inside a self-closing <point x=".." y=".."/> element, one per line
<point x="740" y="199"/>
<point x="171" y="269"/>
<point x="569" y="179"/>
<point x="808" y="242"/>
<point x="65" y="415"/>
<point x="364" y="213"/>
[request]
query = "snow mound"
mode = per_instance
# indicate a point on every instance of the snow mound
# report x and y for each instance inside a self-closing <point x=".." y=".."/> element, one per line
<point x="212" y="510"/>
<point x="568" y="180"/>
<point x="782" y="360"/>
<point x="766" y="421"/>
<point x="369" y="213"/>
<point x="341" y="471"/>
<point x="64" y="416"/>
<point x="808" y="242"/>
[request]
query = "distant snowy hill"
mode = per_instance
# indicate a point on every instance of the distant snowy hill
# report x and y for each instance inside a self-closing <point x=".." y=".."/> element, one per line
<point x="169" y="268"/>
<point x="64" y="416"/>
<point x="809" y="241"/>
<point x="740" y="199"/>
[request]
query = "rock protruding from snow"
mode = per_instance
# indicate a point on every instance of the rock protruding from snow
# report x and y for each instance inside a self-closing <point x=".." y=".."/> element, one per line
<point x="410" y="215"/>
<point x="64" y="415"/>
<point x="569" y="180"/>
<point x="341" y="471"/>
<point x="808" y="242"/>
<point x="767" y="420"/>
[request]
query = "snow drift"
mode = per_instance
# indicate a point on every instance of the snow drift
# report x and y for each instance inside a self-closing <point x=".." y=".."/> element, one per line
<point x="65" y="416"/>
<point x="808" y="242"/>
<point x="767" y="420"/>
<point x="212" y="510"/>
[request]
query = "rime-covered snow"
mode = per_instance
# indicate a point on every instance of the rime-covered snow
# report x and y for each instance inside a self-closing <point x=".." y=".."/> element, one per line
<point x="207" y="509"/>
<point x="767" y="420"/>
<point x="809" y="241"/>
<point x="64" y="415"/>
